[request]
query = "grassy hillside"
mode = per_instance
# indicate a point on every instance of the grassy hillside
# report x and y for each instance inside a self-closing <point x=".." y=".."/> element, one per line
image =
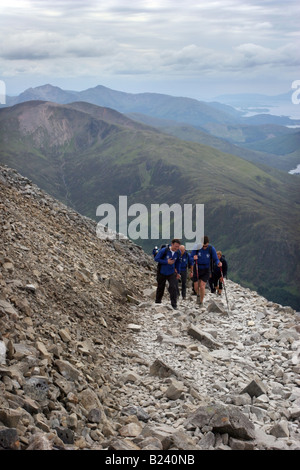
<point x="265" y="145"/>
<point x="285" y="148"/>
<point x="91" y="156"/>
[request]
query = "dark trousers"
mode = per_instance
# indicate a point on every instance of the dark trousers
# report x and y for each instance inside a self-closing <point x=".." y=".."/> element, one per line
<point x="173" y="286"/>
<point x="183" y="275"/>
<point x="214" y="282"/>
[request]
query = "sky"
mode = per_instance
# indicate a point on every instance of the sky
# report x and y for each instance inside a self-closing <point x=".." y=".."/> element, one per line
<point x="194" y="48"/>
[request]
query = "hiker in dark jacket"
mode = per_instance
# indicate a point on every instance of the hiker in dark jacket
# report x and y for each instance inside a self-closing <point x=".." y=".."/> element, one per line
<point x="218" y="274"/>
<point x="168" y="259"/>
<point x="203" y="258"/>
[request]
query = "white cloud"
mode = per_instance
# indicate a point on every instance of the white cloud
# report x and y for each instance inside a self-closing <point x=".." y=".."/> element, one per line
<point x="254" y="55"/>
<point x="149" y="38"/>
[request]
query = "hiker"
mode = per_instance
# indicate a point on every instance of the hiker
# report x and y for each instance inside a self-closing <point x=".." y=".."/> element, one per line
<point x="202" y="268"/>
<point x="168" y="259"/>
<point x="217" y="279"/>
<point x="186" y="262"/>
<point x="155" y="251"/>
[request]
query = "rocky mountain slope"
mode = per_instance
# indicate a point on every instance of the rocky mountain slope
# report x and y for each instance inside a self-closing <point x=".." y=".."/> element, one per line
<point x="88" y="361"/>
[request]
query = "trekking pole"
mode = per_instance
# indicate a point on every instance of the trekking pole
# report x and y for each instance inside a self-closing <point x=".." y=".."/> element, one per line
<point x="225" y="291"/>
<point x="198" y="283"/>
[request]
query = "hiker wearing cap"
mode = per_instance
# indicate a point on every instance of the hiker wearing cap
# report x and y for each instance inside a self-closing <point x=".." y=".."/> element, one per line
<point x="203" y="260"/>
<point x="155" y="251"/>
<point x="168" y="259"/>
<point x="186" y="262"/>
<point x="216" y="281"/>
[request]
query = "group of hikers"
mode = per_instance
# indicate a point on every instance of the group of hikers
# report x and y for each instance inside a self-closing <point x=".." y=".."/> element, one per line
<point x="174" y="262"/>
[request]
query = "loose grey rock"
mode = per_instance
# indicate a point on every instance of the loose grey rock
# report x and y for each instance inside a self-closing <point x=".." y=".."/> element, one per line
<point x="255" y="388"/>
<point x="205" y="338"/>
<point x="223" y="419"/>
<point x="9" y="439"/>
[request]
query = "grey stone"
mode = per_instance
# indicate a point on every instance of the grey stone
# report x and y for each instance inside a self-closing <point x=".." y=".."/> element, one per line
<point x="207" y="442"/>
<point x="223" y="419"/>
<point x="255" y="388"/>
<point x="161" y="369"/>
<point x="67" y="370"/>
<point x="216" y="308"/>
<point x="175" y="389"/>
<point x="280" y="429"/>
<point x="65" y="434"/>
<point x="8" y="308"/>
<point x="39" y="442"/>
<point x="2" y="352"/>
<point x="205" y="338"/>
<point x="9" y="439"/>
<point x="10" y="417"/>
<point x="95" y="415"/>
<point x="37" y="388"/>
<point x="137" y="411"/>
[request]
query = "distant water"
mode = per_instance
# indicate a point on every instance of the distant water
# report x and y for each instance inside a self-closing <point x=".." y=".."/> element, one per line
<point x="284" y="109"/>
<point x="295" y="171"/>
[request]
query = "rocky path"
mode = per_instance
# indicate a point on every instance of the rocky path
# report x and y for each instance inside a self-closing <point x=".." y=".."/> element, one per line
<point x="245" y="359"/>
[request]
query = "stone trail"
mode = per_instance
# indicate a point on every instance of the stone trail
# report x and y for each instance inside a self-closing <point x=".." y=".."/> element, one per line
<point x="197" y="358"/>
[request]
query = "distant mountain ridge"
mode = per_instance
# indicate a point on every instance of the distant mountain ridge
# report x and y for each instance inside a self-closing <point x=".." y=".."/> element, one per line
<point x="85" y="155"/>
<point x="179" y="109"/>
<point x="159" y="105"/>
<point x="214" y="119"/>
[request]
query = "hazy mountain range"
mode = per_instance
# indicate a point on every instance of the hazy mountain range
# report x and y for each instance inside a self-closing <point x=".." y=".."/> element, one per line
<point x="85" y="155"/>
<point x="215" y="124"/>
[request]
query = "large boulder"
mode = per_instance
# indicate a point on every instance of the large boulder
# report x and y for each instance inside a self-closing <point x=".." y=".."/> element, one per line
<point x="222" y="419"/>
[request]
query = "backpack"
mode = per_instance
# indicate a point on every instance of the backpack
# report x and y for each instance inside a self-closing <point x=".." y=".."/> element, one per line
<point x="163" y="256"/>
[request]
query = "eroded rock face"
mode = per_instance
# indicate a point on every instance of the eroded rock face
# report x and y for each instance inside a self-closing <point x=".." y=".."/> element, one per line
<point x="89" y="361"/>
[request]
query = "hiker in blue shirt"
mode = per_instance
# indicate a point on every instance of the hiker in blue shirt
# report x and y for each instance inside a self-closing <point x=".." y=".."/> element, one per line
<point x="203" y="260"/>
<point x="168" y="260"/>
<point x="185" y="262"/>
